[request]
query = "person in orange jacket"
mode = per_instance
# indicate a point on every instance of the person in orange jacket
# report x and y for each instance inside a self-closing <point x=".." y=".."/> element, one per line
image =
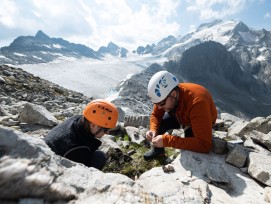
<point x="77" y="138"/>
<point x="179" y="105"/>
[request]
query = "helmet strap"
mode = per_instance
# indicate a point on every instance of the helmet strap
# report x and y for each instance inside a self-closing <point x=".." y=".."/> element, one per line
<point x="98" y="131"/>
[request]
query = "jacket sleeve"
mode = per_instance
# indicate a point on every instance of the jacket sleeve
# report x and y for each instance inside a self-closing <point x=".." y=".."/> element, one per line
<point x="201" y="124"/>
<point x="79" y="154"/>
<point x="156" y="117"/>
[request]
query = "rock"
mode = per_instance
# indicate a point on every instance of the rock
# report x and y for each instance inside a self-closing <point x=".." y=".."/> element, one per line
<point x="228" y="117"/>
<point x="168" y="168"/>
<point x="36" y="114"/>
<point x="267" y="194"/>
<point x="236" y="128"/>
<point x="121" y="115"/>
<point x="237" y="156"/>
<point x="260" y="124"/>
<point x="2" y="112"/>
<point x="259" y="167"/>
<point x="255" y="147"/>
<point x="261" y="138"/>
<point x="6" y="100"/>
<point x="2" y="80"/>
<point x="29" y="169"/>
<point x="136" y="121"/>
<point x="107" y="144"/>
<point x="216" y="174"/>
<point x="218" y="145"/>
<point x="137" y="135"/>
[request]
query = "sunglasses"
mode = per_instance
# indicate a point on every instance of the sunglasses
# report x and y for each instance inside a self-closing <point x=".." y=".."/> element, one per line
<point x="105" y="129"/>
<point x="162" y="103"/>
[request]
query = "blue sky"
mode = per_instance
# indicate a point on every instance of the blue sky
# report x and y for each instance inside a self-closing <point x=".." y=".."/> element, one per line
<point x="128" y="23"/>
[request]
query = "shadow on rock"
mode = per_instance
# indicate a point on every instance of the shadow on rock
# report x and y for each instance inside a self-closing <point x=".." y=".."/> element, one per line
<point x="213" y="169"/>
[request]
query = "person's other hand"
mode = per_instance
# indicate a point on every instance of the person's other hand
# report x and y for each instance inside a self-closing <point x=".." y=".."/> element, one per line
<point x="150" y="135"/>
<point x="158" y="141"/>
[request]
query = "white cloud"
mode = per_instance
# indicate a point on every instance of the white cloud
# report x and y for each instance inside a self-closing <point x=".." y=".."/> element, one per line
<point x="94" y="23"/>
<point x="126" y="23"/>
<point x="117" y="21"/>
<point x="192" y="28"/>
<point x="7" y="11"/>
<point x="209" y="9"/>
<point x="267" y="15"/>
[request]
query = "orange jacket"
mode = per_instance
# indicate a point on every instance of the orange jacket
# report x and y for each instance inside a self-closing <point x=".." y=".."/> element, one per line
<point x="197" y="110"/>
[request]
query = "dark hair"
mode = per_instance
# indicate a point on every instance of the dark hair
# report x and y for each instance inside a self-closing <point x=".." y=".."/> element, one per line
<point x="86" y="124"/>
<point x="176" y="88"/>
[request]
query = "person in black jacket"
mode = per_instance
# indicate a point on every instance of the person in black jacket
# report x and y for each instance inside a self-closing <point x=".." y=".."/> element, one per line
<point x="76" y="138"/>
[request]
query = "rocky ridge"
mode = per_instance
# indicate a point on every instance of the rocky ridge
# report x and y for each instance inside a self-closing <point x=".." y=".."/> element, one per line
<point x="43" y="49"/>
<point x="236" y="171"/>
<point x="234" y="90"/>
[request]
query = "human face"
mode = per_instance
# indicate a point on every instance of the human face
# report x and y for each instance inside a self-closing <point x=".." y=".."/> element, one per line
<point x="168" y="103"/>
<point x="163" y="102"/>
<point x="98" y="131"/>
<point x="101" y="132"/>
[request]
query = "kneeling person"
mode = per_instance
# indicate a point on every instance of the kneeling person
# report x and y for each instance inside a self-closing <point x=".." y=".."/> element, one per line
<point x="76" y="138"/>
<point x="179" y="105"/>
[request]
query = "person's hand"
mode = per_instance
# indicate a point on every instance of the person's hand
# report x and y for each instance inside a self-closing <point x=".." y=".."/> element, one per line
<point x="150" y="135"/>
<point x="158" y="141"/>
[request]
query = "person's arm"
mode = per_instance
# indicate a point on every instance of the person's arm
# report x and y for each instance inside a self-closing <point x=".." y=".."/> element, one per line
<point x="155" y="118"/>
<point x="201" y="124"/>
<point x="79" y="154"/>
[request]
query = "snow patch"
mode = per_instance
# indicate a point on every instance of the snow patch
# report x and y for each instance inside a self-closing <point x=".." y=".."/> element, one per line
<point x="57" y="46"/>
<point x="46" y="46"/>
<point x="19" y="54"/>
<point x="93" y="78"/>
<point x="3" y="57"/>
<point x="37" y="57"/>
<point x="261" y="58"/>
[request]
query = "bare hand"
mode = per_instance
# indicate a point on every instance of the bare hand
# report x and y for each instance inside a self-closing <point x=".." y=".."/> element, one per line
<point x="158" y="141"/>
<point x="150" y="135"/>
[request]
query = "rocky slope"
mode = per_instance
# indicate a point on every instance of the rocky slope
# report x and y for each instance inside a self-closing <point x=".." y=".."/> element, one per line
<point x="234" y="90"/>
<point x="249" y="47"/>
<point x="236" y="171"/>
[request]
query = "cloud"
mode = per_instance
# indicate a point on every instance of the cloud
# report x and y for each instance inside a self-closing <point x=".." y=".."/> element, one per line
<point x="8" y="9"/>
<point x="93" y="23"/>
<point x="127" y="23"/>
<point x="219" y="9"/>
<point x="267" y="15"/>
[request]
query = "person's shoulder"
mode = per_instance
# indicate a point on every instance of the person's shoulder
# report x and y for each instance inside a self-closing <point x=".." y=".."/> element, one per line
<point x="73" y="118"/>
<point x="190" y="85"/>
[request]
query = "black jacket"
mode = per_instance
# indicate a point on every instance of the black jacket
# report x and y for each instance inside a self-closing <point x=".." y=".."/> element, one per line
<point x="71" y="140"/>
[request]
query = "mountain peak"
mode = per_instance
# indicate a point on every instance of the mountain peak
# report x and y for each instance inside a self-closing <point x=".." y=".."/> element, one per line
<point x="208" y="25"/>
<point x="241" y="27"/>
<point x="41" y="36"/>
<point x="112" y="45"/>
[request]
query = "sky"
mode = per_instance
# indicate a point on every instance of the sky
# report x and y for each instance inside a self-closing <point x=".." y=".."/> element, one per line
<point x="127" y="23"/>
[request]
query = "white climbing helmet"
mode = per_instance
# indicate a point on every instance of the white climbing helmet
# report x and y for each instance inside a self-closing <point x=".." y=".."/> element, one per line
<point x="160" y="85"/>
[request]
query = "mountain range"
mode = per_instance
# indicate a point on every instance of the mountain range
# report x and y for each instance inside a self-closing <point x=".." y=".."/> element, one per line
<point x="42" y="49"/>
<point x="232" y="60"/>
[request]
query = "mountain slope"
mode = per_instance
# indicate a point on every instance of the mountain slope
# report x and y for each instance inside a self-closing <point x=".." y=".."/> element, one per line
<point x="234" y="90"/>
<point x="250" y="48"/>
<point x="41" y="49"/>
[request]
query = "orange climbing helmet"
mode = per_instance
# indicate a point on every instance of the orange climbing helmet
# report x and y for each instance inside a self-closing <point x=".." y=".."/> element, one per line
<point x="101" y="112"/>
